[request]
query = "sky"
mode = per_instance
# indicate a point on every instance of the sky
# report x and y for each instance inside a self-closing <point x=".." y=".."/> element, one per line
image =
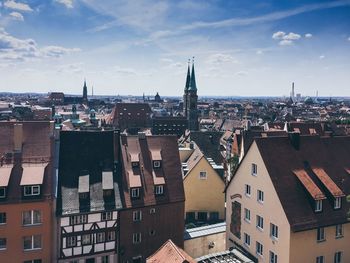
<point x="131" y="47"/>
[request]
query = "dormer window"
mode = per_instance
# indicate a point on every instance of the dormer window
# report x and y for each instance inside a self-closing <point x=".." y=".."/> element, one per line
<point x="135" y="192"/>
<point x="2" y="192"/>
<point x="318" y="205"/>
<point x="156" y="164"/>
<point x="31" y="190"/>
<point x="159" y="190"/>
<point x="337" y="203"/>
<point x="84" y="186"/>
<point x="135" y="164"/>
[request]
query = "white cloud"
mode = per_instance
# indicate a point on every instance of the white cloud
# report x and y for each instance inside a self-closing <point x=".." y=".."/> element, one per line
<point x="66" y="3"/>
<point x="75" y="68"/>
<point x="286" y="42"/>
<point x="308" y="35"/>
<point x="220" y="58"/>
<point x="16" y="16"/>
<point x="292" y="36"/>
<point x="16" y="49"/>
<point x="322" y="56"/>
<point x="348" y="38"/>
<point x="259" y="52"/>
<point x="278" y="35"/>
<point x="11" y="4"/>
<point x="124" y="72"/>
<point x="241" y="73"/>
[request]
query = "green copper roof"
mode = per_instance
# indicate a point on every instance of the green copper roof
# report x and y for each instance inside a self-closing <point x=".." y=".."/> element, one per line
<point x="188" y="79"/>
<point x="193" y="85"/>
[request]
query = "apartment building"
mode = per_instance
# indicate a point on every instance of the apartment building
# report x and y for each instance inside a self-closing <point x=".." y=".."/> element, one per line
<point x="89" y="197"/>
<point x="287" y="200"/>
<point x="153" y="193"/>
<point x="27" y="199"/>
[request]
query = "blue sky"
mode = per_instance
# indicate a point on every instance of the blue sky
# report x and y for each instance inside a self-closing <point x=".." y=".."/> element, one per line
<point x="124" y="47"/>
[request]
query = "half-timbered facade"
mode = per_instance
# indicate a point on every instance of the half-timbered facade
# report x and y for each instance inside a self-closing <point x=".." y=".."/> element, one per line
<point x="88" y="197"/>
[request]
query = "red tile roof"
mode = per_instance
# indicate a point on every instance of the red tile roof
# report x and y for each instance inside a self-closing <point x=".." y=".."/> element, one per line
<point x="309" y="185"/>
<point x="328" y="182"/>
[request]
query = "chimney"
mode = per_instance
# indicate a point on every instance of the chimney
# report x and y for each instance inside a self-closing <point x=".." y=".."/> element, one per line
<point x="141" y="135"/>
<point x="191" y="145"/>
<point x="294" y="138"/>
<point x="18" y="137"/>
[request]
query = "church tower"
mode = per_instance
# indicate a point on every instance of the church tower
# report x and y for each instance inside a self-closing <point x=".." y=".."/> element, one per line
<point x="191" y="100"/>
<point x="85" y="99"/>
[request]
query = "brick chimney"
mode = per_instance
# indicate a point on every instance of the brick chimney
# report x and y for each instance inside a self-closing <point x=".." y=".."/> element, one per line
<point x="18" y="137"/>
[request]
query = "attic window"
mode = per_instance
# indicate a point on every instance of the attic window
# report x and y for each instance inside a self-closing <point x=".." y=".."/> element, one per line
<point x="135" y="164"/>
<point x="156" y="164"/>
<point x="159" y="189"/>
<point x="135" y="192"/>
<point x="318" y="205"/>
<point x="337" y="203"/>
<point x="2" y="192"/>
<point x="31" y="190"/>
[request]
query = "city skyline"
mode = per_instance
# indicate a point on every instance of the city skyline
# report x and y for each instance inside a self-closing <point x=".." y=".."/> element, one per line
<point x="134" y="47"/>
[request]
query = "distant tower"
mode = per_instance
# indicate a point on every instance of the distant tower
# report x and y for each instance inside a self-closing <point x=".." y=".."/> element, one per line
<point x="187" y="86"/>
<point x="85" y="99"/>
<point x="192" y="102"/>
<point x="292" y="94"/>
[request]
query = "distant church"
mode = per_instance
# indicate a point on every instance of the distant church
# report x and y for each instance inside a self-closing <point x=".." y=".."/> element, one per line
<point x="190" y="99"/>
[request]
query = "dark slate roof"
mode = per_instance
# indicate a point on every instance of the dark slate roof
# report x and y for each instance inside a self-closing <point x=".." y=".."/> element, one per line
<point x="170" y="169"/>
<point x="332" y="154"/>
<point x="209" y="143"/>
<point x="86" y="152"/>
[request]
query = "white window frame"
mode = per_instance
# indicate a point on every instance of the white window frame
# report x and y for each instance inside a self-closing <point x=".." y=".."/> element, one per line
<point x="32" y="243"/>
<point x="273" y="231"/>
<point x="136" y="238"/>
<point x="3" y="191"/>
<point x="337" y="203"/>
<point x="4" y="216"/>
<point x="32" y="217"/>
<point x="203" y="175"/>
<point x="4" y="247"/>
<point x="259" y="222"/>
<point x="260" y="196"/>
<point x="339" y="231"/>
<point x="320" y="234"/>
<point x="259" y="249"/>
<point x="135" y="192"/>
<point x="78" y="219"/>
<point x="31" y="188"/>
<point x="105" y="216"/>
<point x="156" y="164"/>
<point x="246" y="239"/>
<point x="137" y="215"/>
<point x="254" y="169"/>
<point x="159" y="189"/>
<point x="273" y="257"/>
<point x="71" y="241"/>
<point x="110" y="236"/>
<point x="86" y="239"/>
<point x="248" y="190"/>
<point x="100" y="237"/>
<point x="318" y="205"/>
<point x="338" y="257"/>
<point x="247" y="215"/>
<point x="320" y="259"/>
<point x="152" y="211"/>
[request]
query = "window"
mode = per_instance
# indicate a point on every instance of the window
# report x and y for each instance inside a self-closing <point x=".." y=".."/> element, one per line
<point x="259" y="248"/>
<point x="136" y="216"/>
<point x="320" y="234"/>
<point x="254" y="169"/>
<point x="135" y="164"/>
<point x="320" y="259"/>
<point x="260" y="196"/>
<point x="105" y="259"/>
<point x="2" y="192"/>
<point x="190" y="216"/>
<point x="159" y="189"/>
<point x="318" y="205"/>
<point x="246" y="239"/>
<point x="100" y="237"/>
<point x="152" y="232"/>
<point x="2" y="243"/>
<point x="259" y="222"/>
<point x="136" y="238"/>
<point x="339" y="231"/>
<point x="337" y="203"/>
<point x="247" y="214"/>
<point x="71" y="241"/>
<point x="214" y="216"/>
<point x="202" y="216"/>
<point x="156" y="164"/>
<point x="32" y="217"/>
<point x="338" y="257"/>
<point x="247" y="190"/>
<point x="135" y="192"/>
<point x="2" y="218"/>
<point x="110" y="235"/>
<point x="273" y="231"/>
<point x="80" y="219"/>
<point x="203" y="175"/>
<point x="106" y="216"/>
<point x="32" y="190"/>
<point x="33" y="261"/>
<point x="273" y="257"/>
<point x="86" y="239"/>
<point x="32" y="242"/>
<point x="152" y="211"/>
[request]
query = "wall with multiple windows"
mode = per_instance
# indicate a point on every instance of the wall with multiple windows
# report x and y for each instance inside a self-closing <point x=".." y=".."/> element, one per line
<point x="264" y="234"/>
<point x="330" y="243"/>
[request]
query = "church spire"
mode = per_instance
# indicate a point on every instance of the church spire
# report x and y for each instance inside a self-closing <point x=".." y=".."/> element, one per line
<point x="84" y="92"/>
<point x="193" y="85"/>
<point x="188" y="78"/>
